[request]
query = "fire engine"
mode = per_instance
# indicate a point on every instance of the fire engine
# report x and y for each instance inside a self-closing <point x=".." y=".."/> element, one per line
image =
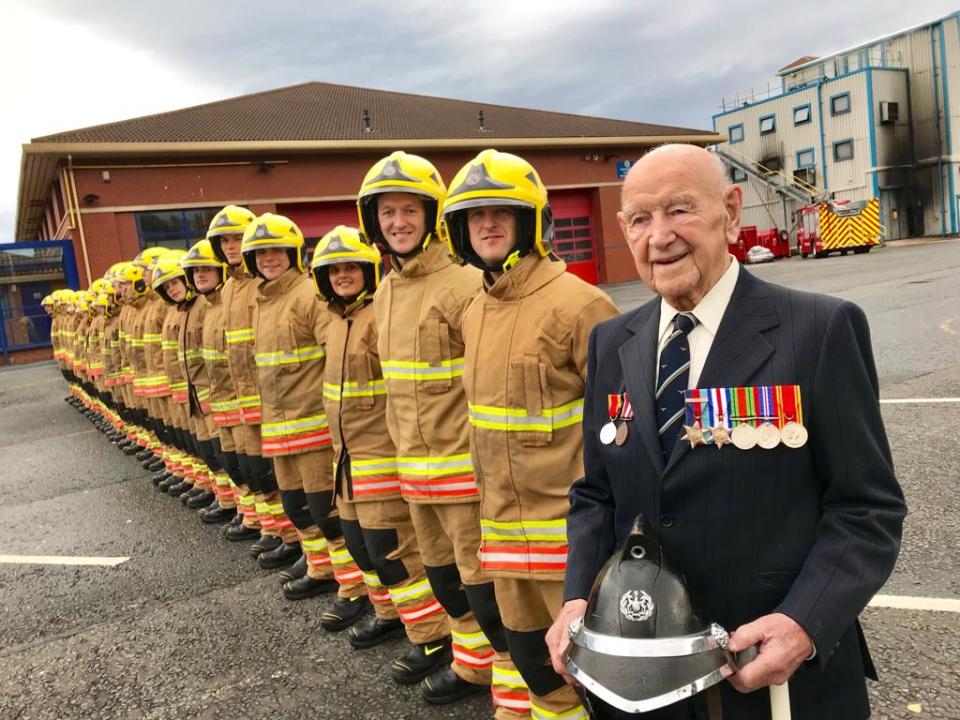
<point x="838" y="226"/>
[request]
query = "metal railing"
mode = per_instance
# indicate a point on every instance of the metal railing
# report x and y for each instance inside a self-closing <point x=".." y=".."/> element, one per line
<point x="828" y="68"/>
<point x="780" y="182"/>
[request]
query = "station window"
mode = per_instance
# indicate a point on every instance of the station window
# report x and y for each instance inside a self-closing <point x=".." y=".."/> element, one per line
<point x="737" y="175"/>
<point x="840" y="104"/>
<point x="843" y="150"/>
<point x="173" y="228"/>
<point x="736" y="133"/>
<point x="806" y="158"/>
<point x="802" y="114"/>
<point x="768" y="124"/>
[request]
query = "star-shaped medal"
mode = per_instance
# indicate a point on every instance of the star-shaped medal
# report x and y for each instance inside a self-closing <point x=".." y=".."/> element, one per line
<point x="694" y="435"/>
<point x="721" y="435"/>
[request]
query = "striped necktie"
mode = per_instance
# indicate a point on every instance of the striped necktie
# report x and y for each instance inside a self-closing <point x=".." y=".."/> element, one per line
<point x="672" y="378"/>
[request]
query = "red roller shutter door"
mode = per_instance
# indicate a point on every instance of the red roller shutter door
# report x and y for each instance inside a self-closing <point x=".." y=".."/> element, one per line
<point x="573" y="232"/>
<point x="317" y="219"/>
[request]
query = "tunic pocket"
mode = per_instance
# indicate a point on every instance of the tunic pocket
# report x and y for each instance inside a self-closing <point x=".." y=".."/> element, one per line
<point x="357" y="390"/>
<point x="437" y="377"/>
<point x="531" y="394"/>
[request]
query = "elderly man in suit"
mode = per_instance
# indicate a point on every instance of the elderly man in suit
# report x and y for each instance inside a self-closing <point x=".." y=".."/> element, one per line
<point x="754" y="444"/>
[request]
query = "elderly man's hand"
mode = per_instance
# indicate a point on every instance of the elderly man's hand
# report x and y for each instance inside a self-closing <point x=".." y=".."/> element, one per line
<point x="784" y="645"/>
<point x="557" y="637"/>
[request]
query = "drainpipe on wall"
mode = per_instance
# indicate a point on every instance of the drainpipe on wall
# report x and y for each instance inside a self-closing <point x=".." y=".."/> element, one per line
<point x="76" y="206"/>
<point x="936" y="119"/>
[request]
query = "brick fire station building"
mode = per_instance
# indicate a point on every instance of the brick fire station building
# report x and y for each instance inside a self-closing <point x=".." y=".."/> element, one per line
<point x="302" y="151"/>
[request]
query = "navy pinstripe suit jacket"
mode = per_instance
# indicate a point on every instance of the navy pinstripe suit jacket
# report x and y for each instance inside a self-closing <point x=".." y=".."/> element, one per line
<point x="812" y="532"/>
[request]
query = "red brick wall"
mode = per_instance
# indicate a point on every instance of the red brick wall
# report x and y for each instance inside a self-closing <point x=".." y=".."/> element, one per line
<point x="112" y="235"/>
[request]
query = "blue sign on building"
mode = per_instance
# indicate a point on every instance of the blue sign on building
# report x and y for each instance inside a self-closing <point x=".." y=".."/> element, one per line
<point x="623" y="167"/>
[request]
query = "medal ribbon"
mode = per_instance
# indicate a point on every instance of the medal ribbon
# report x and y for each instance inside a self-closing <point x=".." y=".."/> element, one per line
<point x="627" y="412"/>
<point x="614" y="403"/>
<point x="792" y="407"/>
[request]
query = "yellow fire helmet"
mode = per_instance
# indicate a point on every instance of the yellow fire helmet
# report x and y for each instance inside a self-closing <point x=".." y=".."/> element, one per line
<point x="201" y="255"/>
<point x="97" y="285"/>
<point x="60" y="297"/>
<point x="148" y="255"/>
<point x="111" y="274"/>
<point x="47" y="304"/>
<point x="169" y="268"/>
<point x="132" y="273"/>
<point x="342" y="245"/>
<point x="498" y="178"/>
<point x="400" y="172"/>
<point x="107" y="297"/>
<point x="272" y="231"/>
<point x="232" y="220"/>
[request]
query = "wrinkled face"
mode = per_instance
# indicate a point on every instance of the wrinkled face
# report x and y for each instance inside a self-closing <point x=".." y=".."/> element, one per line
<point x="347" y="279"/>
<point x="175" y="289"/>
<point x="403" y="220"/>
<point x="206" y="278"/>
<point x="678" y="216"/>
<point x="148" y="276"/>
<point x="272" y="262"/>
<point x="125" y="291"/>
<point x="230" y="244"/>
<point x="493" y="232"/>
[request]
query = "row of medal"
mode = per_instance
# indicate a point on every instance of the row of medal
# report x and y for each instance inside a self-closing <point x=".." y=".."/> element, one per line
<point x="746" y="417"/>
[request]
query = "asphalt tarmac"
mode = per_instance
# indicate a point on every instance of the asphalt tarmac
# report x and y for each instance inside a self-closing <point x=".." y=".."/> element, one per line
<point x="189" y="627"/>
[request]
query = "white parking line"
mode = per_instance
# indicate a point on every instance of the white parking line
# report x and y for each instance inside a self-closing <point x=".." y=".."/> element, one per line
<point x="61" y="560"/>
<point x="907" y="401"/>
<point x="905" y="602"/>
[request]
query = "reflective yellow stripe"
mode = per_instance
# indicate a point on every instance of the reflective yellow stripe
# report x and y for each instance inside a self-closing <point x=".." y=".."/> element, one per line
<point x="203" y="394"/>
<point x="239" y="336"/>
<point x="354" y="389"/>
<point x="192" y="354"/>
<point x="549" y="530"/>
<point x="168" y="344"/>
<point x="518" y="420"/>
<point x="342" y="557"/>
<point x="469" y="640"/>
<point x="152" y="338"/>
<point x="509" y="678"/>
<point x="277" y="429"/>
<point x="311" y="352"/>
<point x="212" y="354"/>
<point x="538" y="713"/>
<point x="248" y="401"/>
<point x="224" y="406"/>
<point x="411" y="592"/>
<point x="413" y="370"/>
<point x="434" y="465"/>
<point x="315" y="546"/>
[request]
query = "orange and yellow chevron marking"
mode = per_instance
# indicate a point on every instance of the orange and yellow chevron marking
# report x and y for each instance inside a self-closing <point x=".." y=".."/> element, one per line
<point x="839" y="231"/>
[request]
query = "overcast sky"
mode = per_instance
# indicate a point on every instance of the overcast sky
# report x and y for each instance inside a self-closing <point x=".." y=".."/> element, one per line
<point x="69" y="64"/>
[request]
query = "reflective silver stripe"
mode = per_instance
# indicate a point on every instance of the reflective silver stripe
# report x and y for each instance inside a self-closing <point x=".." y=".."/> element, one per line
<point x="428" y="466"/>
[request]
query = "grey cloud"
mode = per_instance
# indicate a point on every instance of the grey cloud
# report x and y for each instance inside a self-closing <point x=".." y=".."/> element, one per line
<point x="651" y="61"/>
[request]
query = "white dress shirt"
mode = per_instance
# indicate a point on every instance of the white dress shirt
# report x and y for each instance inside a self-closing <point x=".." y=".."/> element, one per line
<point x="709" y="312"/>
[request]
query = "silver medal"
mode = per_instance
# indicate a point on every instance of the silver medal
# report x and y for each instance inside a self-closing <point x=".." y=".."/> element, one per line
<point x="608" y="433"/>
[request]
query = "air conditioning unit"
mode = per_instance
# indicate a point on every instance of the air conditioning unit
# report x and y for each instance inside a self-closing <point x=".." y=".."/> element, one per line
<point x="889" y="112"/>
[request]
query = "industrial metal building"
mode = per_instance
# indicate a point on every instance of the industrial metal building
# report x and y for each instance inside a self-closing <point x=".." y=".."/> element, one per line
<point x="302" y="151"/>
<point x="878" y="120"/>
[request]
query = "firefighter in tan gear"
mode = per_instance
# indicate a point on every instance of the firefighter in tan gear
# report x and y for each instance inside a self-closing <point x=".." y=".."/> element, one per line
<point x="288" y="328"/>
<point x="419" y="307"/>
<point x="169" y="282"/>
<point x="376" y="520"/>
<point x="132" y="288"/>
<point x="110" y="354"/>
<point x="144" y="343"/>
<point x="204" y="275"/>
<point x="155" y="387"/>
<point x="261" y="509"/>
<point x="525" y="362"/>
